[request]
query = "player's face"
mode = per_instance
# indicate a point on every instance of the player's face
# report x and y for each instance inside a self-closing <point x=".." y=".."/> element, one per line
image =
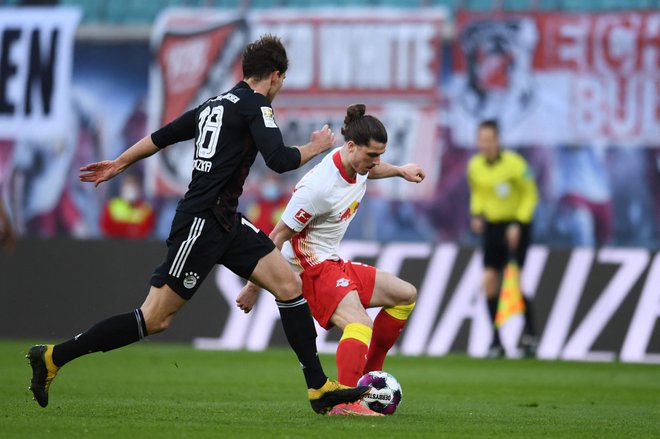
<point x="364" y="158"/>
<point x="488" y="142"/>
<point x="277" y="80"/>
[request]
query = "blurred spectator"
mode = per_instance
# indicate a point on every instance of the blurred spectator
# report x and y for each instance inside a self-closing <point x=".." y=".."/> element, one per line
<point x="447" y="211"/>
<point x="582" y="185"/>
<point x="41" y="175"/>
<point x="7" y="232"/>
<point x="128" y="215"/>
<point x="266" y="209"/>
<point x="49" y="199"/>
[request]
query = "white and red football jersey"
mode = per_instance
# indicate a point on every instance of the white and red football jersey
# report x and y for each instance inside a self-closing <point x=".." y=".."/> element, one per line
<point x="320" y="210"/>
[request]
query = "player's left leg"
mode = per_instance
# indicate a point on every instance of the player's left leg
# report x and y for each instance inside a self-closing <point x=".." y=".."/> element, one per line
<point x="529" y="340"/>
<point x="397" y="297"/>
<point x="154" y="316"/>
<point x="274" y="274"/>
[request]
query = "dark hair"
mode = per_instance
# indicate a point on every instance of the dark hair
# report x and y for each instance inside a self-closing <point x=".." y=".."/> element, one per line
<point x="490" y="123"/>
<point x="361" y="128"/>
<point x="263" y="57"/>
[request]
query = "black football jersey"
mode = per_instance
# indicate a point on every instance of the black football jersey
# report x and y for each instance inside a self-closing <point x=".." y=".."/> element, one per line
<point x="229" y="130"/>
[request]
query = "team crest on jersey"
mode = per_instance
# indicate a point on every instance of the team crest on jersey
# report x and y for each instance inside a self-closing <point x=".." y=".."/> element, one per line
<point x="269" y="119"/>
<point x="343" y="282"/>
<point x="190" y="280"/>
<point x="302" y="216"/>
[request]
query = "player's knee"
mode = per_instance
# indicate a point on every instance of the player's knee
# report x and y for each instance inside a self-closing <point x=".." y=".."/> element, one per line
<point x="156" y="324"/>
<point x="489" y="284"/>
<point x="290" y="289"/>
<point x="407" y="295"/>
<point x="363" y="319"/>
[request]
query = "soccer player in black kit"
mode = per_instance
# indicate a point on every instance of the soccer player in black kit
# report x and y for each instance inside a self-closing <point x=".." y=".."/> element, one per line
<point x="229" y="130"/>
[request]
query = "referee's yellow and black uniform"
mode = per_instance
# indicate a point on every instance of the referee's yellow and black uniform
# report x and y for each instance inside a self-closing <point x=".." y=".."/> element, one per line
<point x="502" y="192"/>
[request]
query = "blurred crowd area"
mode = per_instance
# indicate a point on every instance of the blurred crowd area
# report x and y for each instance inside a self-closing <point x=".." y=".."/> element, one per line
<point x="134" y="12"/>
<point x="604" y="192"/>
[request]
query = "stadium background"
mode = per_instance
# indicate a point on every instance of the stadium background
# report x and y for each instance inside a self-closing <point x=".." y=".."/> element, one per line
<point x="576" y="86"/>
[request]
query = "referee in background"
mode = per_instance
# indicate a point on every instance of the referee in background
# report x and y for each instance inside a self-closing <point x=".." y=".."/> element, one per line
<point x="503" y="196"/>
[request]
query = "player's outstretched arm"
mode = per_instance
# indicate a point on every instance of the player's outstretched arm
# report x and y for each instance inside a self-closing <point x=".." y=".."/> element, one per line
<point x="248" y="295"/>
<point x="411" y="172"/>
<point x="99" y="172"/>
<point x="320" y="141"/>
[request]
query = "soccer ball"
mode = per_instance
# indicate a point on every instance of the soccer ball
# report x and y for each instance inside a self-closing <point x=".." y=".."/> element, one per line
<point x="386" y="394"/>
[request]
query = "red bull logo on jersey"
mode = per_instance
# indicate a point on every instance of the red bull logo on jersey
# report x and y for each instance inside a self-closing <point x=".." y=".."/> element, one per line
<point x="350" y="211"/>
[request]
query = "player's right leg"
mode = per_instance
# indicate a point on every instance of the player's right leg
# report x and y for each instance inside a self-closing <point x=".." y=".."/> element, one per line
<point x="273" y="273"/>
<point x="357" y="327"/>
<point x="397" y="298"/>
<point x="115" y="332"/>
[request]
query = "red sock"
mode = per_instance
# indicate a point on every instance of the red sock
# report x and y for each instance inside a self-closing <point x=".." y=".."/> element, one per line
<point x="386" y="331"/>
<point x="351" y="356"/>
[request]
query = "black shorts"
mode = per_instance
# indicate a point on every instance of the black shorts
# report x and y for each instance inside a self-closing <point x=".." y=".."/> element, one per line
<point x="496" y="252"/>
<point x="198" y="242"/>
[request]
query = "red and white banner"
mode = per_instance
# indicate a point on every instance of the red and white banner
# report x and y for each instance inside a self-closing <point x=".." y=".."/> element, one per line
<point x="554" y="78"/>
<point x="36" y="58"/>
<point x="387" y="59"/>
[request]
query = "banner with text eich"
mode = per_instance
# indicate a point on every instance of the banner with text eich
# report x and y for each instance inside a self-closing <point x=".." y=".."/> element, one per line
<point x="554" y="79"/>
<point x="386" y="59"/>
<point x="36" y="59"/>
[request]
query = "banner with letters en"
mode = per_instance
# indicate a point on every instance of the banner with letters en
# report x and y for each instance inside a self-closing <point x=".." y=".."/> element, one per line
<point x="555" y="79"/>
<point x="36" y="58"/>
<point x="386" y="59"/>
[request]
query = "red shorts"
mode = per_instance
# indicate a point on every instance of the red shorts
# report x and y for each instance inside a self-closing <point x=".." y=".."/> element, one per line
<point x="325" y="285"/>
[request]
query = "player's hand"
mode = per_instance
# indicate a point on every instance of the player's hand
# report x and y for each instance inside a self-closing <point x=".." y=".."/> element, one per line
<point x="247" y="297"/>
<point x="513" y="235"/>
<point x="323" y="139"/>
<point x="7" y="238"/>
<point x="477" y="225"/>
<point x="99" y="172"/>
<point x="412" y="172"/>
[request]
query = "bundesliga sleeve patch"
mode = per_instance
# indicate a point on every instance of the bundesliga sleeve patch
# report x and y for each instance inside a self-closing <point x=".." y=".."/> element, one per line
<point x="302" y="216"/>
<point x="269" y="120"/>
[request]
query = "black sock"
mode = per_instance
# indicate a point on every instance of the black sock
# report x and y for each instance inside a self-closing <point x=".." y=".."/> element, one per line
<point x="529" y="317"/>
<point x="301" y="334"/>
<point x="492" y="310"/>
<point x="112" y="333"/>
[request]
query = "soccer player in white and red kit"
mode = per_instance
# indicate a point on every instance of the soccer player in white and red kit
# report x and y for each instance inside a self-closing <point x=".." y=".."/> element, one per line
<point x="309" y="232"/>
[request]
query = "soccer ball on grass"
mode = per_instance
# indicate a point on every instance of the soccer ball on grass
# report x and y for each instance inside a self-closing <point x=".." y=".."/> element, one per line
<point x="386" y="394"/>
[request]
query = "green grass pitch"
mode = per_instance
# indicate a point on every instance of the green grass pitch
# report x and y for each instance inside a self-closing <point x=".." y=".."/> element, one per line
<point x="154" y="390"/>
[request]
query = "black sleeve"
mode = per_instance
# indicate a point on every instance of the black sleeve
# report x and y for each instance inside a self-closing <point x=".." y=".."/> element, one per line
<point x="181" y="128"/>
<point x="268" y="138"/>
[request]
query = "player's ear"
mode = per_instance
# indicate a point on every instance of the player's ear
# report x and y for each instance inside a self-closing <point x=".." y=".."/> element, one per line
<point x="351" y="146"/>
